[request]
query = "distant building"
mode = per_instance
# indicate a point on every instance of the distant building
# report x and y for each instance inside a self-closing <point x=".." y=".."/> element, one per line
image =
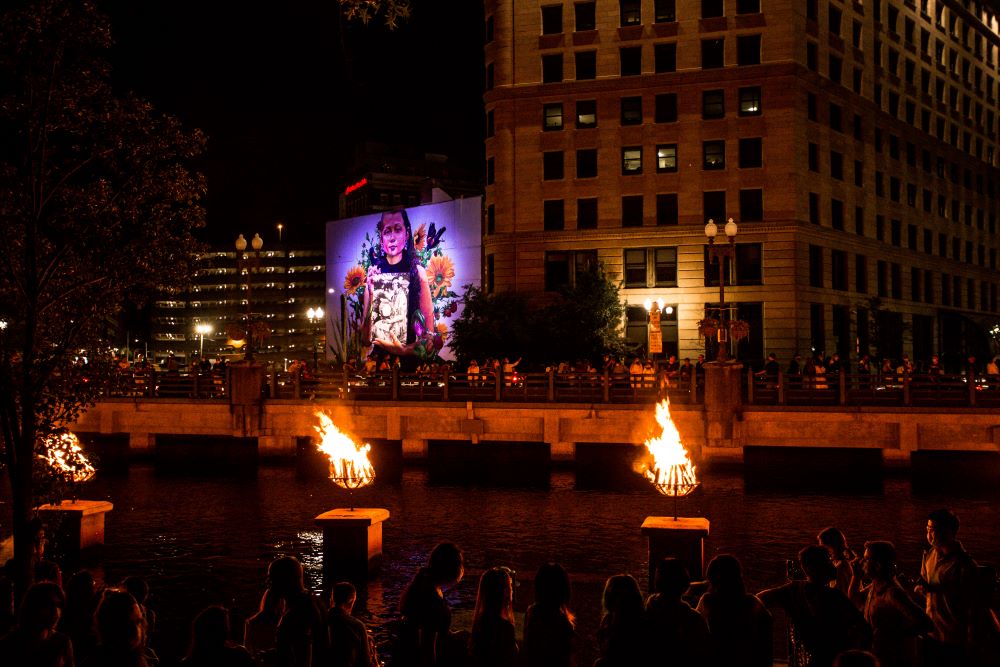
<point x="387" y="176"/>
<point x="287" y="282"/>
<point x="854" y="143"/>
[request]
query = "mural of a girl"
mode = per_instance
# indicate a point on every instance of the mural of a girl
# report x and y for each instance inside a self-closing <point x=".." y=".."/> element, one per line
<point x="397" y="303"/>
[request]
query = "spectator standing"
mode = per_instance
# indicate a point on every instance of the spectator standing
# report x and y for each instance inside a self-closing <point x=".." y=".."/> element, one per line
<point x="840" y="554"/>
<point x="948" y="584"/>
<point x="895" y="619"/>
<point x="635" y="373"/>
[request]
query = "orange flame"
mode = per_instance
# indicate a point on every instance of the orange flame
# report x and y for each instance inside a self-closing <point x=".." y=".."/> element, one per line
<point x="64" y="454"/>
<point x="349" y="464"/>
<point x="672" y="472"/>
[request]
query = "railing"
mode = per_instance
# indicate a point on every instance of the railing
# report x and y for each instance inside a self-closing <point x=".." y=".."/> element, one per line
<point x="550" y="387"/>
<point x="890" y="389"/>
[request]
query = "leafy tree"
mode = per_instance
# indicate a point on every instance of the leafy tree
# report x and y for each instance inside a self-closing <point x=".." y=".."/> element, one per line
<point x="97" y="205"/>
<point x="494" y="325"/>
<point x="393" y="11"/>
<point x="586" y="321"/>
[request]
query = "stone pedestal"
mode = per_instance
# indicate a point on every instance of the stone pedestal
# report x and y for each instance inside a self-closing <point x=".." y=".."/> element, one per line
<point x="352" y="543"/>
<point x="81" y="522"/>
<point x="682" y="538"/>
<point x="723" y="401"/>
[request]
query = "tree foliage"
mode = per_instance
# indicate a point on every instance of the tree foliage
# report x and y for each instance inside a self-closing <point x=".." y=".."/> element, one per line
<point x="584" y="322"/>
<point x="97" y="205"/>
<point x="392" y="11"/>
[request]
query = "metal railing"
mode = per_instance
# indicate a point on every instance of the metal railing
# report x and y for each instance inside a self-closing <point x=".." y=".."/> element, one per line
<point x="883" y="390"/>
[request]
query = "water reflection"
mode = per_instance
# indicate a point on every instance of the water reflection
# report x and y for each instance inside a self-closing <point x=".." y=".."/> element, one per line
<point x="208" y="540"/>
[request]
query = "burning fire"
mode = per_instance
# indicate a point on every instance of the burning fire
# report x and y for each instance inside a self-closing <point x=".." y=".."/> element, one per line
<point x="349" y="464"/>
<point x="64" y="454"/>
<point x="672" y="472"/>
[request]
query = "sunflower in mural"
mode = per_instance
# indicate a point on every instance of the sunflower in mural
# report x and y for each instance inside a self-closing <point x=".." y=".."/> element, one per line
<point x="354" y="279"/>
<point x="440" y="273"/>
<point x="442" y="328"/>
<point x="420" y="237"/>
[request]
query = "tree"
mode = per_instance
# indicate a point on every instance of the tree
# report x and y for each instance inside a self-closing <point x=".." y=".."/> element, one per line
<point x="586" y="321"/>
<point x="97" y="205"/>
<point x="494" y="325"/>
<point x="393" y="11"/>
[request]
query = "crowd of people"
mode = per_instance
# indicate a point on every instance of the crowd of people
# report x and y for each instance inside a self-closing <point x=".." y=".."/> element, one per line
<point x="844" y="609"/>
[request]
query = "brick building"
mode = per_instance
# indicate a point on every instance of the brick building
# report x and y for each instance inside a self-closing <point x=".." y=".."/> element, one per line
<point x="854" y="143"/>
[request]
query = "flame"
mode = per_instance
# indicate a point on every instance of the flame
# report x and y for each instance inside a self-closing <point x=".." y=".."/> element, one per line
<point x="349" y="464"/>
<point x="64" y="454"/>
<point x="672" y="472"/>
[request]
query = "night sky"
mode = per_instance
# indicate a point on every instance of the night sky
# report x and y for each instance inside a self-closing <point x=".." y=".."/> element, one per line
<point x="284" y="90"/>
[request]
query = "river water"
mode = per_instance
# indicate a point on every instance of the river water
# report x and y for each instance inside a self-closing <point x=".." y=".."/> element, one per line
<point x="207" y="540"/>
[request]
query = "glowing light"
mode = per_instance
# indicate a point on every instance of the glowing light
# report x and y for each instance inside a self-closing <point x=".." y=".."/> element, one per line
<point x="672" y="472"/>
<point x="355" y="186"/>
<point x="64" y="454"/>
<point x="349" y="464"/>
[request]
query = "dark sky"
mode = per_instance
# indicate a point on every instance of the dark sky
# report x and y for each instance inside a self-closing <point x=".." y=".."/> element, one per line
<point x="284" y="91"/>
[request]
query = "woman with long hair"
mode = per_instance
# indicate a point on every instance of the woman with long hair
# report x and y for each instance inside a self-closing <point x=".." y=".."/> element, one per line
<point x="622" y="634"/>
<point x="210" y="643"/>
<point x="549" y="625"/>
<point x="739" y="625"/>
<point x="426" y="639"/>
<point x="493" y="637"/>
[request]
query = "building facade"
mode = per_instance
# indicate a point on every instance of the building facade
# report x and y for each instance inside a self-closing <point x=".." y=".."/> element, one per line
<point x="278" y="289"/>
<point x="854" y="144"/>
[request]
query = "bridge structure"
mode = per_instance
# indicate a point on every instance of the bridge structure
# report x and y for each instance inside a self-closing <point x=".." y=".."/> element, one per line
<point x="721" y="415"/>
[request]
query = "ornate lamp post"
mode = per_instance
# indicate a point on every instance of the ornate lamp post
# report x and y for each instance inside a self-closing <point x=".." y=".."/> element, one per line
<point x="315" y="315"/>
<point x="718" y="253"/>
<point x="244" y="261"/>
<point x="201" y="330"/>
<point x="654" y="309"/>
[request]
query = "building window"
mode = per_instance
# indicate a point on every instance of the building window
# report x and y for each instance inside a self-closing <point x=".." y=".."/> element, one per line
<point x="635" y="267"/>
<point x="745" y="268"/>
<point x="714" y="154"/>
<point x="632" y="211"/>
<point x="491" y="219"/>
<point x="711" y="8"/>
<point x="630" y="12"/>
<point x="586" y="17"/>
<point x="811" y="106"/>
<point x="838" y="270"/>
<point x="553" y="215"/>
<point x="489" y="76"/>
<point x="747" y="50"/>
<point x="750" y="101"/>
<point x="752" y="205"/>
<point x="586" y="114"/>
<point x="489" y="29"/>
<point x="836" y="68"/>
<point x="666" y="108"/>
<point x="751" y="153"/>
<point x="836" y="165"/>
<point x="666" y="209"/>
<point x="812" y="56"/>
<point x="814" y="208"/>
<point x="552" y="20"/>
<point x="586" y="163"/>
<point x="552" y="115"/>
<point x="859" y="221"/>
<point x="490" y="171"/>
<point x="631" y="108"/>
<point x="631" y="160"/>
<point x="748" y="6"/>
<point x="631" y="60"/>
<point x="557" y="270"/>
<point x="552" y="68"/>
<point x="665" y="57"/>
<point x="665" y="11"/>
<point x="837" y="214"/>
<point x="713" y="53"/>
<point x="490" y="124"/>
<point x="817" y="327"/>
<point x="861" y="274"/>
<point x="586" y="65"/>
<point x="552" y="165"/>
<point x="836" y="118"/>
<point x="665" y="267"/>
<point x="882" y="278"/>
<point x="714" y="205"/>
<point x="713" y="104"/>
<point x="813" y="156"/>
<point x="666" y="157"/>
<point x="815" y="266"/>
<point x="586" y="213"/>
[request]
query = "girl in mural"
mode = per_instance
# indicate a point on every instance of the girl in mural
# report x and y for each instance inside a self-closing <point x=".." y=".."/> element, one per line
<point x="398" y="308"/>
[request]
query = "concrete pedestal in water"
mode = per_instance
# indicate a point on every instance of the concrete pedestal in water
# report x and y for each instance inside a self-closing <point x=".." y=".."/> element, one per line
<point x="352" y="542"/>
<point x="81" y="522"/>
<point x="682" y="538"/>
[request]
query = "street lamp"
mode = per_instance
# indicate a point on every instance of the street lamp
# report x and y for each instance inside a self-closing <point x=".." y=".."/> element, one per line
<point x="655" y="335"/>
<point x="250" y="263"/>
<point x="718" y="253"/>
<point x="315" y="315"/>
<point x="201" y="330"/>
